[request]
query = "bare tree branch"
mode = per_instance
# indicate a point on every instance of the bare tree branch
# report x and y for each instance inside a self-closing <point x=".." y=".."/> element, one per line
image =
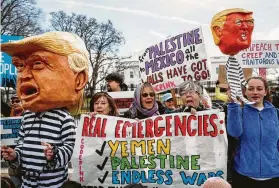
<point x="102" y="41"/>
<point x="20" y="17"/>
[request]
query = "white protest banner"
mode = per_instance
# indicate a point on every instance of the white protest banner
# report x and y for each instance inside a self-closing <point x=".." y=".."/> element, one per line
<point x="123" y="100"/>
<point x="9" y="130"/>
<point x="261" y="53"/>
<point x="167" y="64"/>
<point x="172" y="150"/>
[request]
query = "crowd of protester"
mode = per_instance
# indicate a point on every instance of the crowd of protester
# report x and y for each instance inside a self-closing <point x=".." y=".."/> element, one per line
<point x="253" y="129"/>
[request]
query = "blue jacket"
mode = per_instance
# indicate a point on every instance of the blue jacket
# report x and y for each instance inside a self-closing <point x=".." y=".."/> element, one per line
<point x="258" y="132"/>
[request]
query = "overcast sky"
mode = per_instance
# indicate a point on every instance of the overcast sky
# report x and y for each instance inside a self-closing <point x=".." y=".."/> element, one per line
<point x="146" y="22"/>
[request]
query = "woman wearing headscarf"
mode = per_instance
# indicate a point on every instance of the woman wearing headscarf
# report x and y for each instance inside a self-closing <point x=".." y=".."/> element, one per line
<point x="144" y="104"/>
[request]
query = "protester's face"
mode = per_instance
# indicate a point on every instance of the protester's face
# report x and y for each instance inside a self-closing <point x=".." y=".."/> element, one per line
<point x="169" y="104"/>
<point x="147" y="98"/>
<point x="191" y="98"/>
<point x="113" y="86"/>
<point x="256" y="91"/>
<point x="16" y="104"/>
<point x="101" y="106"/>
<point x="236" y="33"/>
<point x="45" y="81"/>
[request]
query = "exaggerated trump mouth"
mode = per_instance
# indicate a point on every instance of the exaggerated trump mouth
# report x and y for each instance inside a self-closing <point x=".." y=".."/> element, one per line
<point x="28" y="91"/>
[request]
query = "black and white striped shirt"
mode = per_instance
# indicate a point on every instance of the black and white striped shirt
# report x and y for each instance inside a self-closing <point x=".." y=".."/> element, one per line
<point x="55" y="127"/>
<point x="235" y="78"/>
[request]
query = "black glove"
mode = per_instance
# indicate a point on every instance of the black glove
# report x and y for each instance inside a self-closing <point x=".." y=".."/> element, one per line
<point x="217" y="82"/>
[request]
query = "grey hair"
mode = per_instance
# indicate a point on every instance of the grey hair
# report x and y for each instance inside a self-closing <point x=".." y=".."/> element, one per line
<point x="189" y="85"/>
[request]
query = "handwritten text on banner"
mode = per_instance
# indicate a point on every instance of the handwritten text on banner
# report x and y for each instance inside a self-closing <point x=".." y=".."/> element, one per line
<point x="163" y="151"/>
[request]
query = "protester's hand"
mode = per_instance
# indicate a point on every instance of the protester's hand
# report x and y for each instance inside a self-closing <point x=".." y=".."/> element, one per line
<point x="93" y="114"/>
<point x="48" y="151"/>
<point x="217" y="83"/>
<point x="229" y="96"/>
<point x="205" y="103"/>
<point x="8" y="153"/>
<point x="193" y="111"/>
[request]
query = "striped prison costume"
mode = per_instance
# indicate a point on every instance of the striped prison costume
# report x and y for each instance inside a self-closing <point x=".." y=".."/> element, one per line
<point x="55" y="127"/>
<point x="235" y="78"/>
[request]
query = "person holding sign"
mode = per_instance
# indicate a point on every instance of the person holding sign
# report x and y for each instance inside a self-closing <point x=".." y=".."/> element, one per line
<point x="103" y="103"/>
<point x="52" y="72"/>
<point x="193" y="99"/>
<point x="16" y="106"/>
<point x="168" y="103"/>
<point x="16" y="110"/>
<point x="256" y="160"/>
<point x="144" y="104"/>
<point x="232" y="30"/>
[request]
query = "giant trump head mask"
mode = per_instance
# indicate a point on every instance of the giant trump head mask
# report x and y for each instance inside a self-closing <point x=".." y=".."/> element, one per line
<point x="232" y="30"/>
<point x="52" y="70"/>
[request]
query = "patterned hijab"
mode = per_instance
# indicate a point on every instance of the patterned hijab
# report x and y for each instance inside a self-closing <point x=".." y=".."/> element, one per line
<point x="136" y="105"/>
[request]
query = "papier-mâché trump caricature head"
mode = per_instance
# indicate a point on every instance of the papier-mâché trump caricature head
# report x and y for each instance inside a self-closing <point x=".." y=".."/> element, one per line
<point x="232" y="30"/>
<point x="52" y="70"/>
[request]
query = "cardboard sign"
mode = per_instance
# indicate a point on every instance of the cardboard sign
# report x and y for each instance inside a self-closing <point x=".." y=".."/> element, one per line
<point x="167" y="64"/>
<point x="9" y="130"/>
<point x="222" y="75"/>
<point x="123" y="100"/>
<point x="175" y="150"/>
<point x="261" y="53"/>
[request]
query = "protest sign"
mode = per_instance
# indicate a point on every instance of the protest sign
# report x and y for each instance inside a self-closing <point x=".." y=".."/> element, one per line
<point x="261" y="53"/>
<point x="7" y="69"/>
<point x="167" y="64"/>
<point x="172" y="150"/>
<point x="9" y="130"/>
<point x="123" y="100"/>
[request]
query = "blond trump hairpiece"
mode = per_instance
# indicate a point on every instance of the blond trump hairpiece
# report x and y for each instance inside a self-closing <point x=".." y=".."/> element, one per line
<point x="219" y="20"/>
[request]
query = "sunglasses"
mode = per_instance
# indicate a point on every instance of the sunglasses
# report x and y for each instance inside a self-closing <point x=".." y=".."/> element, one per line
<point x="15" y="101"/>
<point x="146" y="95"/>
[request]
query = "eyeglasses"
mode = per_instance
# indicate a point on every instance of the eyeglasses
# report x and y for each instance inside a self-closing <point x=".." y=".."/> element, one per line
<point x="190" y="92"/>
<point x="170" y="100"/>
<point x="146" y="95"/>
